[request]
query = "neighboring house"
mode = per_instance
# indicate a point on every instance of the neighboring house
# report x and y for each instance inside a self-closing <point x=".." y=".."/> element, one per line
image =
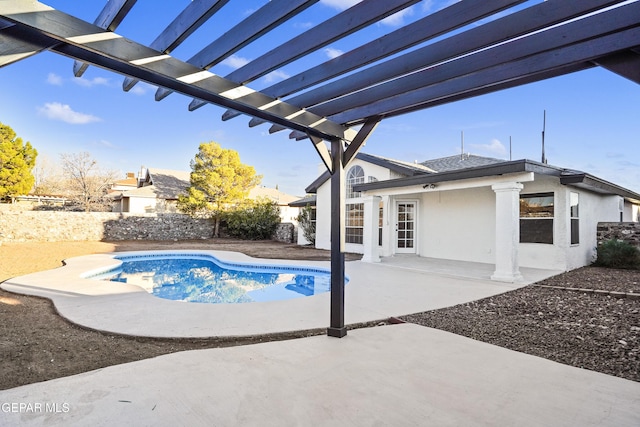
<point x="157" y="191"/>
<point x="287" y="213"/>
<point x="129" y="183"/>
<point x="472" y="208"/>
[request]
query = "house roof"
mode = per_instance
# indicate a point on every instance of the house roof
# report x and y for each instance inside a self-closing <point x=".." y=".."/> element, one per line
<point x="150" y="191"/>
<point x="162" y="183"/>
<point x="129" y="182"/>
<point x="309" y="199"/>
<point x="399" y="166"/>
<point x="273" y="194"/>
<point x="567" y="177"/>
<point x="457" y="162"/>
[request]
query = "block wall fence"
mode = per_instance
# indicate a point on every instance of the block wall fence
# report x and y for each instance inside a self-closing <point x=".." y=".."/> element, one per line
<point x="626" y="231"/>
<point x="47" y="226"/>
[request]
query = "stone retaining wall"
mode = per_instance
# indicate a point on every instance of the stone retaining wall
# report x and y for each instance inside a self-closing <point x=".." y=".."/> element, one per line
<point x="43" y="226"/>
<point x="626" y="231"/>
<point x="285" y="232"/>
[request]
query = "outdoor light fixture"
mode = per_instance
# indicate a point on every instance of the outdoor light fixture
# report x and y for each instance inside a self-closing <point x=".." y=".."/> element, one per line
<point x="431" y="186"/>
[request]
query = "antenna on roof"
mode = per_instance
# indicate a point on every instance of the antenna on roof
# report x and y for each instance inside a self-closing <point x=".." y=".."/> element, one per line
<point x="544" y="125"/>
<point x="461" y="145"/>
<point x="510" y="158"/>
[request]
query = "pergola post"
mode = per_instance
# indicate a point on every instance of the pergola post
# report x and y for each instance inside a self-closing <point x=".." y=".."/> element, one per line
<point x="336" y="325"/>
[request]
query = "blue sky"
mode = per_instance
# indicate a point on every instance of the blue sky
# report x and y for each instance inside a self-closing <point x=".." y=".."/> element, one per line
<point x="592" y="117"/>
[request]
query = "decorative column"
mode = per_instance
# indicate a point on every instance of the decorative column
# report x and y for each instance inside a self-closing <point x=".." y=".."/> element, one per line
<point x="507" y="231"/>
<point x="370" y="228"/>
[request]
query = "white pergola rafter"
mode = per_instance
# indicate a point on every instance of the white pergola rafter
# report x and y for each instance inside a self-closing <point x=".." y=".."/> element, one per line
<point x="470" y="48"/>
<point x="86" y="42"/>
<point x="189" y="20"/>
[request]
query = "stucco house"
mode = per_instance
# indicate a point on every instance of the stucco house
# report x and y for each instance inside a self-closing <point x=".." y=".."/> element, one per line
<point x="157" y="190"/>
<point x="473" y="208"/>
<point x="287" y="213"/>
<point x="129" y="183"/>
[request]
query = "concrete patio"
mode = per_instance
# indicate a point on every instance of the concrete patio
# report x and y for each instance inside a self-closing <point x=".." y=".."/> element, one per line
<point x="397" y="286"/>
<point x="396" y="375"/>
<point x="389" y="375"/>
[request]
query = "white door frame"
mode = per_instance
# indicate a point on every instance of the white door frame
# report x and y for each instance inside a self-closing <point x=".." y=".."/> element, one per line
<point x="408" y="244"/>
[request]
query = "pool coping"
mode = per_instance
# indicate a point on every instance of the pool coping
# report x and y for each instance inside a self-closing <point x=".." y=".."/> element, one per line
<point x="375" y="292"/>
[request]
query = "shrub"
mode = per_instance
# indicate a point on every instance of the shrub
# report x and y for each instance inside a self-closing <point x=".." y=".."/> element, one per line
<point x="255" y="221"/>
<point x="306" y="220"/>
<point x="618" y="254"/>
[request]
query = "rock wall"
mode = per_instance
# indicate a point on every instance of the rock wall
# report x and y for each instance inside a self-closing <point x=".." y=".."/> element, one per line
<point x="626" y="231"/>
<point x="49" y="226"/>
<point x="285" y="233"/>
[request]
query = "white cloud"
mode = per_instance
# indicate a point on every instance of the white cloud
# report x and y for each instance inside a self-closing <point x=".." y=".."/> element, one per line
<point x="428" y="6"/>
<point x="303" y="25"/>
<point x="397" y="18"/>
<point x="235" y="61"/>
<point x="96" y="81"/>
<point x="275" y="76"/>
<point x="105" y="143"/>
<point x="340" y="4"/>
<point x="63" y="112"/>
<point x="54" y="79"/>
<point x="431" y="6"/>
<point x="393" y="20"/>
<point x="141" y="88"/>
<point x="495" y="147"/>
<point x="333" y="53"/>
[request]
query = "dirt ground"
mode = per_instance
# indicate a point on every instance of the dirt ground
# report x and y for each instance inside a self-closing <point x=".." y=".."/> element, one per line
<point x="594" y="331"/>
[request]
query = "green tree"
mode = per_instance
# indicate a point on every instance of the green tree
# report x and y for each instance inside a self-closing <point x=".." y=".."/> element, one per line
<point x="17" y="160"/>
<point x="219" y="183"/>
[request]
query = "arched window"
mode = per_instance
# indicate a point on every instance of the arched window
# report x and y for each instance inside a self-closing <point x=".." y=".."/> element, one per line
<point x="354" y="176"/>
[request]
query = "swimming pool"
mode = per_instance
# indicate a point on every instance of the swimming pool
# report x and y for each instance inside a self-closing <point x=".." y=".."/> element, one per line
<point x="207" y="279"/>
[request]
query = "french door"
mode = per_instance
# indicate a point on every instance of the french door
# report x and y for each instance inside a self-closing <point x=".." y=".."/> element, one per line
<point x="406" y="227"/>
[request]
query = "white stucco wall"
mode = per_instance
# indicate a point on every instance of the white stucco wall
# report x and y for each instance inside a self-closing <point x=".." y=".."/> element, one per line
<point x="289" y="214"/>
<point x="458" y="225"/>
<point x="631" y="212"/>
<point x="323" y="216"/>
<point x="593" y="208"/>
<point x="323" y="197"/>
<point x="562" y="255"/>
<point x="142" y="204"/>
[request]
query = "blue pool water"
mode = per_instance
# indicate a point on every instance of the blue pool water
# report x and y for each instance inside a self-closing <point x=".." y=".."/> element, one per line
<point x="207" y="279"/>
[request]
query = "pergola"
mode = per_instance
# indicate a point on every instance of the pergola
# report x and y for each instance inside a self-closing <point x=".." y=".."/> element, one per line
<point x="469" y="48"/>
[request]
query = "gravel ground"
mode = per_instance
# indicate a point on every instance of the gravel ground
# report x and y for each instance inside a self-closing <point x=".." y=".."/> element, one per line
<point x="595" y="331"/>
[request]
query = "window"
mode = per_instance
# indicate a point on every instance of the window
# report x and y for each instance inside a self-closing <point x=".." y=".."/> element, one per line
<point x="354" y="223"/>
<point x="354" y="176"/>
<point x="574" y="199"/>
<point x="536" y="218"/>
